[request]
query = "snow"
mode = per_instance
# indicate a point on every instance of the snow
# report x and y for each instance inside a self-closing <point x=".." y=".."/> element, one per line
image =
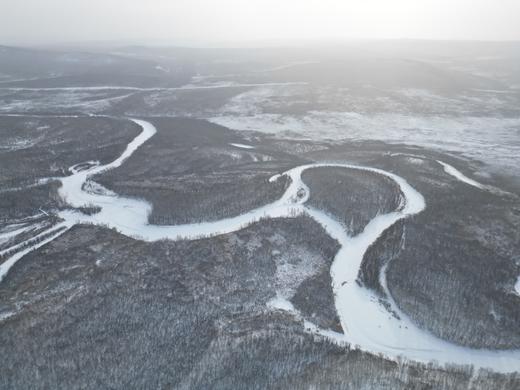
<point x="127" y="88"/>
<point x="281" y="304"/>
<point x="6" y="315"/>
<point x="492" y="139"/>
<point x="22" y="244"/>
<point x="365" y="321"/>
<point x="37" y="183"/>
<point x="162" y="69"/>
<point x="517" y="286"/>
<point x="18" y="144"/>
<point x="374" y="328"/>
<point x="7" y="235"/>
<point x="58" y="230"/>
<point x="243" y="146"/>
<point x="292" y="269"/>
<point x="14" y="230"/>
<point x="274" y="178"/>
<point x="82" y="166"/>
<point x="96" y="188"/>
<point x="450" y="170"/>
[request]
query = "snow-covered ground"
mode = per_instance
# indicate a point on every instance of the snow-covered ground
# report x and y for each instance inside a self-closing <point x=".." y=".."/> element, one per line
<point x="492" y="140"/>
<point x="450" y="170"/>
<point x="13" y="231"/>
<point x="242" y="146"/>
<point x="365" y="321"/>
<point x="474" y="126"/>
<point x="33" y="243"/>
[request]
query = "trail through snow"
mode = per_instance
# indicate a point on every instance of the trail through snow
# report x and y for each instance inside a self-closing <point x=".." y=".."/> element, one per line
<point x="365" y="321"/>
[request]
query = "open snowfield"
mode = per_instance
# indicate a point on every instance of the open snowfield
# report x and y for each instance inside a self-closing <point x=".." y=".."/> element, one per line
<point x="447" y="123"/>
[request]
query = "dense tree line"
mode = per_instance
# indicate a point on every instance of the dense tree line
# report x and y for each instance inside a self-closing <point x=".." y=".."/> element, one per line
<point x="452" y="267"/>
<point x="351" y="196"/>
<point x="104" y="310"/>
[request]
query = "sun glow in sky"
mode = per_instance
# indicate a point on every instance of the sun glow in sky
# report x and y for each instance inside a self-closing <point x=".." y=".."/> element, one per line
<point x="235" y="21"/>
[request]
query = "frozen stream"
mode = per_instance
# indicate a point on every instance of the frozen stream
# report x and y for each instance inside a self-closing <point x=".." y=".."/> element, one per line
<point x="365" y="321"/>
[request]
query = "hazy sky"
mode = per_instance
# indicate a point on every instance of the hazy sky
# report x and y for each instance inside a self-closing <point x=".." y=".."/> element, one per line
<point x="228" y="21"/>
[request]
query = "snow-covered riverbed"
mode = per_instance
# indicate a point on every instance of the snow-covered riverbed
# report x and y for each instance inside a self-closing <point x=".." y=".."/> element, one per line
<point x="365" y="321"/>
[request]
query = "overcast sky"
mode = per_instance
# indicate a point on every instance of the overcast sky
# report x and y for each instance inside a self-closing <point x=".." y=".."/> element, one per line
<point x="213" y="22"/>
